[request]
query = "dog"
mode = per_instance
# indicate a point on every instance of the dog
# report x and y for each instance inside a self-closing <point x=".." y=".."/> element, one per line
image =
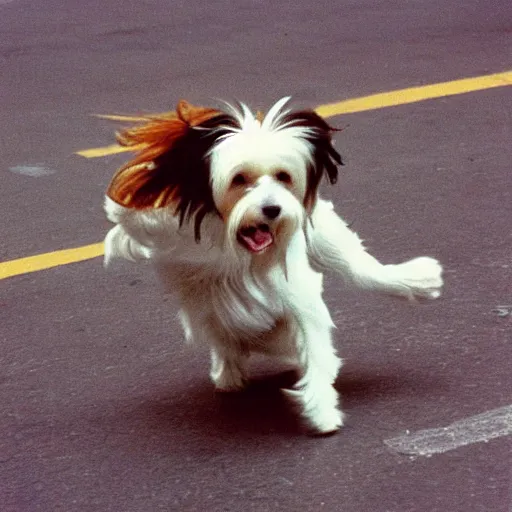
<point x="225" y="204"/>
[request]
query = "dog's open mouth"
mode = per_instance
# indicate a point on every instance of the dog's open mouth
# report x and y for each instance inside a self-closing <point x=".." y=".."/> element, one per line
<point x="256" y="238"/>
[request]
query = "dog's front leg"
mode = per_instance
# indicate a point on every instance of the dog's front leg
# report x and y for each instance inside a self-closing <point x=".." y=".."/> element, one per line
<point x="333" y="246"/>
<point x="314" y="394"/>
<point x="310" y="327"/>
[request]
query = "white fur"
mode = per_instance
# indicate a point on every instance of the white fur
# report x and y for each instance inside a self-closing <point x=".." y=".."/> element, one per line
<point x="239" y="303"/>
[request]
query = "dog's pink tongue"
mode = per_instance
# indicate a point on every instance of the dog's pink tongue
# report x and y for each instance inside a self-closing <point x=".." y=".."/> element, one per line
<point x="256" y="239"/>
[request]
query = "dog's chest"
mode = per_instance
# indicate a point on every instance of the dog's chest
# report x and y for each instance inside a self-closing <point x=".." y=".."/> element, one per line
<point x="252" y="309"/>
<point x="241" y="305"/>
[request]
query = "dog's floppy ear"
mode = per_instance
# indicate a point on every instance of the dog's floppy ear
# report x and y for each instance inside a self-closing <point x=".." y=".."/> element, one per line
<point x="325" y="158"/>
<point x="171" y="167"/>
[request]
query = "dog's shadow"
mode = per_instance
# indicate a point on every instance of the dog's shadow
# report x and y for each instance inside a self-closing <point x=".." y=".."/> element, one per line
<point x="262" y="409"/>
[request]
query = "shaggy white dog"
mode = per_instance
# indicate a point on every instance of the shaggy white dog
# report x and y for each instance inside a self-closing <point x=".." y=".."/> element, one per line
<point x="225" y="205"/>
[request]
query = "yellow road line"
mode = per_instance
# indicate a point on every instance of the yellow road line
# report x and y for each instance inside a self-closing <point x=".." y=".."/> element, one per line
<point x="374" y="101"/>
<point x="118" y="117"/>
<point x="114" y="148"/>
<point x="105" y="151"/>
<point x="49" y="260"/>
<point x="351" y="106"/>
<point x="415" y="94"/>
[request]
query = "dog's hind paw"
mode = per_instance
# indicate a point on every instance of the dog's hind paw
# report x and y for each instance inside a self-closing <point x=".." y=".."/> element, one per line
<point x="229" y="380"/>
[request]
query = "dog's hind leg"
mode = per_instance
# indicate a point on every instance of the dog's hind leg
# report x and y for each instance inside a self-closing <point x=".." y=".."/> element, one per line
<point x="228" y="361"/>
<point x="228" y="369"/>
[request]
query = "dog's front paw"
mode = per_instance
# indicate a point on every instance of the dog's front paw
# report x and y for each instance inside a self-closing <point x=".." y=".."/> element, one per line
<point x="418" y="278"/>
<point x="325" y="423"/>
<point x="317" y="407"/>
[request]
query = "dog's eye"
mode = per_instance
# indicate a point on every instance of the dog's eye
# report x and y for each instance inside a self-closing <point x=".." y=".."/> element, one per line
<point x="283" y="177"/>
<point x="238" y="179"/>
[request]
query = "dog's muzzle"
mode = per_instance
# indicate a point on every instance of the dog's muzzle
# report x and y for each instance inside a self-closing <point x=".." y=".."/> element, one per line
<point x="256" y="238"/>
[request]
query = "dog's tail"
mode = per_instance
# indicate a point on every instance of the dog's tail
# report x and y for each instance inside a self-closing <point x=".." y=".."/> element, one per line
<point x="119" y="244"/>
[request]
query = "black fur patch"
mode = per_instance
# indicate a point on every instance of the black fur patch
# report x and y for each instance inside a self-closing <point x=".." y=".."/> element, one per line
<point x="325" y="158"/>
<point x="184" y="171"/>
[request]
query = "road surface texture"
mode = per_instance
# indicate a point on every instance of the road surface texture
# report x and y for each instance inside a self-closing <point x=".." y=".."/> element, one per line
<point x="103" y="407"/>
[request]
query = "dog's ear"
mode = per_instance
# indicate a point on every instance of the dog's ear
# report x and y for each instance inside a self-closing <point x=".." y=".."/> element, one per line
<point x="325" y="158"/>
<point x="171" y="167"/>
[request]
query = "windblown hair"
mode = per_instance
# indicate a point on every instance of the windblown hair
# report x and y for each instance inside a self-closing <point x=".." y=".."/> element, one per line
<point x="172" y="167"/>
<point x="325" y="159"/>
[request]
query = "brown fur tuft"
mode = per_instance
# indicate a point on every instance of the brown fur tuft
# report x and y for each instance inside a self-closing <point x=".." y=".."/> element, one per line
<point x="171" y="167"/>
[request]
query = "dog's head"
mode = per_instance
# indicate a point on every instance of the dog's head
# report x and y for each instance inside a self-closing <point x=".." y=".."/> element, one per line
<point x="260" y="174"/>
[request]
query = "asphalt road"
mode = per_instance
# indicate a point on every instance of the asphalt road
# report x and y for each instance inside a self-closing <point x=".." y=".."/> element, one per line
<point x="103" y="408"/>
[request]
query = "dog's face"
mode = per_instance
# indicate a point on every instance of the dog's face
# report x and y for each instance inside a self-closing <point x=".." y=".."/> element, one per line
<point x="260" y="208"/>
<point x="259" y="183"/>
<point x="260" y="176"/>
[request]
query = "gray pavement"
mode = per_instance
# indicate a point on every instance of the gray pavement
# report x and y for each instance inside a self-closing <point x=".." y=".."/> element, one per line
<point x="103" y="408"/>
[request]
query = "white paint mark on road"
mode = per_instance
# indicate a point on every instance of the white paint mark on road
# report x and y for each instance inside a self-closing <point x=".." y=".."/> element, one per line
<point x="35" y="171"/>
<point x="476" y="429"/>
<point x="503" y="310"/>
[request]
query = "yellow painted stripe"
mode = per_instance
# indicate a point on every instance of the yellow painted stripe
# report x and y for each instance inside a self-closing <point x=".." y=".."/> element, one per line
<point x="415" y="94"/>
<point x="105" y="151"/>
<point x="372" y="102"/>
<point x="375" y="101"/>
<point x="114" y="148"/>
<point x="49" y="260"/>
<point x="117" y="117"/>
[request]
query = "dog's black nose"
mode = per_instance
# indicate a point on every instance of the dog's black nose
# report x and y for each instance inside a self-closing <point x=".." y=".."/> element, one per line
<point x="271" y="212"/>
